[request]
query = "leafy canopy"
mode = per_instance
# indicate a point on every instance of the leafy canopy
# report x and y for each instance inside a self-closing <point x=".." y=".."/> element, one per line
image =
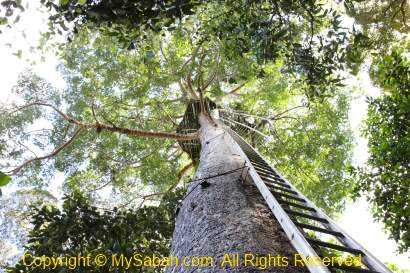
<point x="80" y="228"/>
<point x="386" y="180"/>
<point x="131" y="77"/>
<point x="111" y="92"/>
<point x="308" y="35"/>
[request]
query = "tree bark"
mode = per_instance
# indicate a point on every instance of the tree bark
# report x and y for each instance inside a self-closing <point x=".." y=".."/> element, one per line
<point x="228" y="216"/>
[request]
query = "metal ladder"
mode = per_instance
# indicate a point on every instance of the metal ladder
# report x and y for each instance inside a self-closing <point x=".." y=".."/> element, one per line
<point x="298" y="216"/>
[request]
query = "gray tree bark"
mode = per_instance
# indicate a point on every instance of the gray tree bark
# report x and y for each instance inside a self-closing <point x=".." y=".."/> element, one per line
<point x="228" y="216"/>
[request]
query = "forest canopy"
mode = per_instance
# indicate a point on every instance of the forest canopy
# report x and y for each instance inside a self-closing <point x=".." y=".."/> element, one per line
<point x="276" y="68"/>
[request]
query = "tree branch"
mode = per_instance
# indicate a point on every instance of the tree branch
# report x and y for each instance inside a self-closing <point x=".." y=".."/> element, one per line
<point x="286" y="111"/>
<point x="230" y="93"/>
<point x="168" y="115"/>
<point x="27" y="148"/>
<point x="212" y="77"/>
<point x="184" y="170"/>
<point x="113" y="128"/>
<point x="65" y="116"/>
<point x="151" y="195"/>
<point x="183" y="88"/>
<point x="148" y="134"/>
<point x="101" y="187"/>
<point x="189" y="76"/>
<point x="190" y="87"/>
<point x="209" y="82"/>
<point x="52" y="154"/>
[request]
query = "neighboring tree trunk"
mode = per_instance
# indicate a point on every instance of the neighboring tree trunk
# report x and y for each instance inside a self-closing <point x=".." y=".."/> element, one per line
<point x="228" y="216"/>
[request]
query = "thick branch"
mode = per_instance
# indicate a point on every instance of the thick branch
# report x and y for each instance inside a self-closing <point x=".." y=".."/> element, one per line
<point x="148" y="134"/>
<point x="183" y="88"/>
<point x="190" y="87"/>
<point x="113" y="128"/>
<point x="189" y="76"/>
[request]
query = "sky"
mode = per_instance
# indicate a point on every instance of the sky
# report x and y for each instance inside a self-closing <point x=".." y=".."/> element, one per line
<point x="356" y="219"/>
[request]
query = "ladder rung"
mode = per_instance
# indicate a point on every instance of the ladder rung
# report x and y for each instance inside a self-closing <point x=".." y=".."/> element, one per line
<point x="263" y="172"/>
<point x="301" y="214"/>
<point x="288" y="196"/>
<point x="270" y="171"/>
<point x="260" y="163"/>
<point x="333" y="246"/>
<point x="323" y="230"/>
<point x="254" y="158"/>
<point x="270" y="176"/>
<point x="281" y="189"/>
<point x="267" y="180"/>
<point x="259" y="166"/>
<point x="263" y="168"/>
<point x="296" y="205"/>
<point x="354" y="269"/>
<point x="252" y="155"/>
<point x="277" y="184"/>
<point x="273" y="178"/>
<point x="276" y="189"/>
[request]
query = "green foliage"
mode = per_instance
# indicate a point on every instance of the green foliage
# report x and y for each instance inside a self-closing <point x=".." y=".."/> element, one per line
<point x="307" y="34"/>
<point x="142" y="89"/>
<point x="315" y="150"/>
<point x="80" y="228"/>
<point x="378" y="26"/>
<point x="393" y="267"/>
<point x="127" y="65"/>
<point x="127" y="20"/>
<point x="131" y="89"/>
<point x="4" y="179"/>
<point x="386" y="180"/>
<point x="382" y="22"/>
<point x="8" y="14"/>
<point x="16" y="211"/>
<point x="125" y="90"/>
<point x="311" y="145"/>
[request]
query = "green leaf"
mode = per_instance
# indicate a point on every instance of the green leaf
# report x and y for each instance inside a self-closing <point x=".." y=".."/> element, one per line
<point x="4" y="179"/>
<point x="18" y="54"/>
<point x="3" y="20"/>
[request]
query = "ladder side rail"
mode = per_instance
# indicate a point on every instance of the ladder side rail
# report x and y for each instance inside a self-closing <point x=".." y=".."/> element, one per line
<point x="369" y="258"/>
<point x="296" y="238"/>
<point x="348" y="240"/>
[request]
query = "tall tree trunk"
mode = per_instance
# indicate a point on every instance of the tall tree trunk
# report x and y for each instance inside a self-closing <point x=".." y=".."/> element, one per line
<point x="226" y="217"/>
